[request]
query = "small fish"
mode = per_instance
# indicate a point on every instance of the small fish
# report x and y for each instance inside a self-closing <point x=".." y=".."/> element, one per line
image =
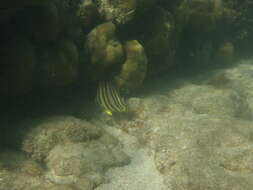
<point x="109" y="99"/>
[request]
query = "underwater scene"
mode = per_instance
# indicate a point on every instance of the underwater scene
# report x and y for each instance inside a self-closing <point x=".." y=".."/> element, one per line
<point x="126" y="95"/>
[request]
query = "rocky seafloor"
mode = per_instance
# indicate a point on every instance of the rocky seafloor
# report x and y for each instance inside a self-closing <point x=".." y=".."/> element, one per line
<point x="193" y="132"/>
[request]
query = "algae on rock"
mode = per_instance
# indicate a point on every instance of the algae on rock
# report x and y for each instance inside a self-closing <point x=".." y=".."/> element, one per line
<point x="17" y="67"/>
<point x="87" y="13"/>
<point x="117" y="11"/>
<point x="203" y="30"/>
<point x="68" y="162"/>
<point x="41" y="22"/>
<point x="75" y="151"/>
<point x="59" y="65"/>
<point x="133" y="70"/>
<point x="160" y="41"/>
<point x="104" y="49"/>
<point x="199" y="135"/>
<point x="42" y="138"/>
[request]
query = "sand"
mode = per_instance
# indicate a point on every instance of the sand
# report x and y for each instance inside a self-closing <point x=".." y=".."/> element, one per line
<point x="140" y="174"/>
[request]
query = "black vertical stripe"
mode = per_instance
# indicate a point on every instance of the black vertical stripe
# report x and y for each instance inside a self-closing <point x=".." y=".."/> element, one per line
<point x="104" y="97"/>
<point x="120" y="100"/>
<point x="112" y="97"/>
<point x="117" y="98"/>
<point x="109" y="98"/>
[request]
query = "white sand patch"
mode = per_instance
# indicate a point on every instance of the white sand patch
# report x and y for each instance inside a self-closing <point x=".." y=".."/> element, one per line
<point x="140" y="174"/>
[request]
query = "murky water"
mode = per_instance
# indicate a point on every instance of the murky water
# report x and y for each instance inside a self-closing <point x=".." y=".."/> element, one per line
<point x="184" y="69"/>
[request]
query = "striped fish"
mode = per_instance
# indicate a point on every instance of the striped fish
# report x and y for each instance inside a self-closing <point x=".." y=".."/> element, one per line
<point x="109" y="99"/>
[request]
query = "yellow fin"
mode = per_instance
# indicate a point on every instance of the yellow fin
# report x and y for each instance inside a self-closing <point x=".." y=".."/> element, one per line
<point x="108" y="112"/>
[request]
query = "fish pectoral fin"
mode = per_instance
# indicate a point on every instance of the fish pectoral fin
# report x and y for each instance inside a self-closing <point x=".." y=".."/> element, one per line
<point x="108" y="112"/>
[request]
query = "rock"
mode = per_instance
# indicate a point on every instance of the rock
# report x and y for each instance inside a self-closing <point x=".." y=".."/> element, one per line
<point x="59" y="65"/>
<point x="17" y="67"/>
<point x="7" y="179"/>
<point x="240" y="78"/>
<point x="200" y="135"/>
<point x="70" y="50"/>
<point x="87" y="12"/>
<point x="202" y="56"/>
<point x="10" y="8"/>
<point x="39" y="141"/>
<point x="133" y="70"/>
<point x="211" y="101"/>
<point x="143" y="6"/>
<point x="160" y="41"/>
<point x="86" y="183"/>
<point x="203" y="152"/>
<point x="32" y="168"/>
<point x="194" y="150"/>
<point x="17" y="161"/>
<point x="170" y="5"/>
<point x="119" y="12"/>
<point x="158" y="36"/>
<point x="10" y="159"/>
<point x="226" y="53"/>
<point x="41" y="22"/>
<point x="68" y="162"/>
<point x="26" y="182"/>
<point x="200" y="15"/>
<point x="104" y="49"/>
<point x="17" y="171"/>
<point x="140" y="173"/>
<point x="239" y="21"/>
<point x="75" y="33"/>
<point x="199" y="23"/>
<point x="76" y="155"/>
<point x="220" y="101"/>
